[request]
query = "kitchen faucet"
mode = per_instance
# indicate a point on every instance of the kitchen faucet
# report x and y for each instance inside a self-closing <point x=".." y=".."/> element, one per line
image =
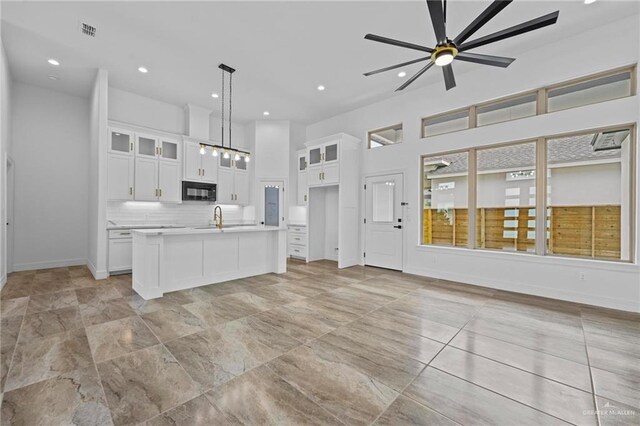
<point x="217" y="217"/>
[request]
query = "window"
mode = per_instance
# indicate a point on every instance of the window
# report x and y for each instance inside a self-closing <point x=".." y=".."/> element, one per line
<point x="383" y="137"/>
<point x="588" y="195"/>
<point x="506" y="198"/>
<point x="506" y="110"/>
<point x="589" y="92"/>
<point x="445" y="123"/>
<point x="445" y="194"/>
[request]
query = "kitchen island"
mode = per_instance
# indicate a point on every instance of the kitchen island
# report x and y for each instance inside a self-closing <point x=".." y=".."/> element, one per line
<point x="166" y="260"/>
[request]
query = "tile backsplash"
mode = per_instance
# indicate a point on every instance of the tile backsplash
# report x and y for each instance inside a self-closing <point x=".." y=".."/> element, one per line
<point x="152" y="213"/>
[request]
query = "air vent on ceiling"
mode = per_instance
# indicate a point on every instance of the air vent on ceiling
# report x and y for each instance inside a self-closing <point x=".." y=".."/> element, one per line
<point x="87" y="29"/>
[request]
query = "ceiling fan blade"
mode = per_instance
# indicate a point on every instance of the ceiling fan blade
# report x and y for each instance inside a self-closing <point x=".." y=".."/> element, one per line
<point x="415" y="76"/>
<point x="399" y="43"/>
<point x="488" y="14"/>
<point x="392" y="67"/>
<point x="525" y="27"/>
<point x="437" y="19"/>
<point x="495" y="61"/>
<point x="449" y="79"/>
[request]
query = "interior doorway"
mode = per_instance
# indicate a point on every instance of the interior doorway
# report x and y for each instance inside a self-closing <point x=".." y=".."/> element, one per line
<point x="271" y="203"/>
<point x="383" y="221"/>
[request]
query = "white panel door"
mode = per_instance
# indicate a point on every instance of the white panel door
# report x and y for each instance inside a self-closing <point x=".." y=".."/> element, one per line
<point x="192" y="161"/>
<point x="224" y="189"/>
<point x="146" y="180"/>
<point x="120" y="177"/>
<point x="241" y="188"/>
<point x="331" y="174"/>
<point x="209" y="167"/>
<point x="169" y="182"/>
<point x="301" y="196"/>
<point x="383" y="227"/>
<point x="314" y="176"/>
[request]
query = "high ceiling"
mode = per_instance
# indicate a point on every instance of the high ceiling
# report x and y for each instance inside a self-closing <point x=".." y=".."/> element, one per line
<point x="282" y="50"/>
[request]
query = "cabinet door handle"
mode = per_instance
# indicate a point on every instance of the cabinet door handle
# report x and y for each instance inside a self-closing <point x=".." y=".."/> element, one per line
<point x="131" y="146"/>
<point x="160" y="191"/>
<point x="160" y="150"/>
<point x="156" y="192"/>
<point x="305" y="197"/>
<point x="130" y="190"/>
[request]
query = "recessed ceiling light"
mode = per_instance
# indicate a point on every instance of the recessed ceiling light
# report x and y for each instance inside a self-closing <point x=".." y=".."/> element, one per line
<point x="52" y="77"/>
<point x="402" y="74"/>
<point x="214" y="95"/>
<point x="265" y="113"/>
<point x="143" y="70"/>
<point x="53" y="62"/>
<point x="589" y="1"/>
<point x="321" y="88"/>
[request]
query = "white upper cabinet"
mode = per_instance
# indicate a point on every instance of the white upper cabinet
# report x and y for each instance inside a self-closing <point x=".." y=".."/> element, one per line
<point x="146" y="146"/>
<point x="169" y="184"/>
<point x="301" y="164"/>
<point x="323" y="164"/>
<point x="120" y="141"/>
<point x="146" y="177"/>
<point x="199" y="167"/>
<point x="169" y="150"/>
<point x="233" y="181"/>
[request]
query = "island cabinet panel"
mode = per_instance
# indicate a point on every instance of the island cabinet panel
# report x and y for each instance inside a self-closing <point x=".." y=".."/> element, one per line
<point x="171" y="260"/>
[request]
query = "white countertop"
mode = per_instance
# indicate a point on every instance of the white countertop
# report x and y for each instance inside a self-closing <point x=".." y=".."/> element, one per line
<point x="208" y="230"/>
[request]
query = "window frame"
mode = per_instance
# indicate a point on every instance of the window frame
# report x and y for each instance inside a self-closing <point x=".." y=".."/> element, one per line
<point x="541" y="193"/>
<point x="401" y="124"/>
<point x="542" y="99"/>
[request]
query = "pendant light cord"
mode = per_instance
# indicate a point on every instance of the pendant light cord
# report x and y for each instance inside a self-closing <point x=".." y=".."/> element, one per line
<point x="222" y="103"/>
<point x="230" y="100"/>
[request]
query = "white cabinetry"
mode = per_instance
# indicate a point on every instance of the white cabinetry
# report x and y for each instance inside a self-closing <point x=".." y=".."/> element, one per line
<point x="233" y="181"/>
<point x="157" y="169"/>
<point x="333" y="178"/>
<point x="297" y="241"/>
<point x="323" y="164"/>
<point x="199" y="167"/>
<point x="301" y="194"/>
<point x="143" y="167"/>
<point x="120" y="251"/>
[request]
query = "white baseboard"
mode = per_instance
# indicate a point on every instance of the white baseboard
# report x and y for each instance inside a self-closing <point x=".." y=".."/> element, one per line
<point x="3" y="281"/>
<point x="49" y="264"/>
<point x="569" y="296"/>
<point x="98" y="275"/>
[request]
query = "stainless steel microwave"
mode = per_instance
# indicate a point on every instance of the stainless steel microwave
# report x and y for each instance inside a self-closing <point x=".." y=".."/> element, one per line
<point x="198" y="191"/>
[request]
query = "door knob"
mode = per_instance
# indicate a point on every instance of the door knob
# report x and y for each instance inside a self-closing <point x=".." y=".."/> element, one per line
<point x="398" y="226"/>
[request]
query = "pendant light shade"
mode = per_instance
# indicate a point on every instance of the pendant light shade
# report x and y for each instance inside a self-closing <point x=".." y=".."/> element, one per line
<point x="215" y="152"/>
<point x="226" y="155"/>
<point x="202" y="150"/>
<point x="246" y="158"/>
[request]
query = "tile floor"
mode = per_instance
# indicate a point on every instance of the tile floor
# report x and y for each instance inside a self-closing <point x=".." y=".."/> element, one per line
<point x="316" y="345"/>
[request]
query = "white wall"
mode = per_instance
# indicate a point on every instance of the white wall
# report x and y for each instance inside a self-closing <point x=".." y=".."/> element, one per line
<point x="5" y="150"/>
<point x="605" y="283"/>
<point x="97" y="182"/>
<point x="131" y="108"/>
<point x="51" y="147"/>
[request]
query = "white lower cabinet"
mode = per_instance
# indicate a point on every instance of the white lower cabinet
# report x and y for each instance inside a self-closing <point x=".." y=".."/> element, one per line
<point x="297" y="241"/>
<point x="120" y="251"/>
<point x="120" y="177"/>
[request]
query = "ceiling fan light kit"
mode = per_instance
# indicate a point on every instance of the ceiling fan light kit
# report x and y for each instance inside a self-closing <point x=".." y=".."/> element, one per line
<point x="447" y="50"/>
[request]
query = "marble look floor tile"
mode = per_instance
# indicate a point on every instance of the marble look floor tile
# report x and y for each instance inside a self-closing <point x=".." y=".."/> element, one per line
<point x="618" y="362"/>
<point x="74" y="397"/>
<point x="145" y="383"/>
<point x="101" y="311"/>
<point x="143" y="306"/>
<point x="124" y="288"/>
<point x="115" y="338"/>
<point x="99" y="292"/>
<point x="305" y="320"/>
<point x="444" y="292"/>
<point x="346" y="303"/>
<point x="168" y="324"/>
<point x="184" y="297"/>
<point x="347" y="393"/>
<point x="16" y="289"/>
<point x="50" y="301"/>
<point x="556" y="399"/>
<point x="216" y="355"/>
<point x="39" y="359"/>
<point x="278" y="295"/>
<point x="614" y="332"/>
<point x="353" y="292"/>
<point x="46" y="323"/>
<point x="6" y="354"/>
<point x="261" y="397"/>
<point x="549" y="366"/>
<point x="248" y="302"/>
<point x="614" y="413"/>
<point x="520" y="333"/>
<point x="366" y="334"/>
<point x="466" y="403"/>
<point x="215" y="312"/>
<point x="13" y="307"/>
<point x="391" y="320"/>
<point x="625" y="389"/>
<point x="406" y="412"/>
<point x="9" y="330"/>
<point x="393" y="370"/>
<point x="301" y="287"/>
<point x="445" y="312"/>
<point x="196" y="412"/>
<point x="383" y="287"/>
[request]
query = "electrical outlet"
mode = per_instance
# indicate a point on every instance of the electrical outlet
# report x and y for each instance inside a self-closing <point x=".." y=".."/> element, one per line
<point x="581" y="276"/>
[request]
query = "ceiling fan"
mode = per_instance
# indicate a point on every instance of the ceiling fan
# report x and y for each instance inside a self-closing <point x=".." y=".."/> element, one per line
<point x="446" y="50"/>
